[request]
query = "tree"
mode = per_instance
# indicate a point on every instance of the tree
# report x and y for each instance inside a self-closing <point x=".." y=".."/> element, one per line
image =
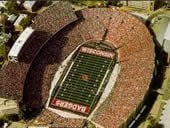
<point x="113" y="2"/>
<point x="25" y="22"/>
<point x="154" y="123"/>
<point x="12" y="7"/>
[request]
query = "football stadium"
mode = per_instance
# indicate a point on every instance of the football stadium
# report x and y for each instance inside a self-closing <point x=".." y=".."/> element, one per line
<point x="93" y="65"/>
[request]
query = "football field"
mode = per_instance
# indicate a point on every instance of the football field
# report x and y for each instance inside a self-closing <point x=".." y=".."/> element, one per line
<point x="82" y="84"/>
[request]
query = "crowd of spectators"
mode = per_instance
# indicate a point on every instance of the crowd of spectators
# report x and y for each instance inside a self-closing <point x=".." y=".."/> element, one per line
<point x="53" y="19"/>
<point x="57" y="121"/>
<point x="136" y="57"/>
<point x="14" y="74"/>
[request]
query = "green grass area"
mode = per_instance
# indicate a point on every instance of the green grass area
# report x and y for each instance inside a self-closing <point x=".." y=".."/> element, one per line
<point x="87" y="2"/>
<point x="164" y="94"/>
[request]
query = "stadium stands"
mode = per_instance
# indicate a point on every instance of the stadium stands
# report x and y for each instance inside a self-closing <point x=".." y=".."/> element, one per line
<point x="55" y="120"/>
<point x="53" y="19"/>
<point x="15" y="74"/>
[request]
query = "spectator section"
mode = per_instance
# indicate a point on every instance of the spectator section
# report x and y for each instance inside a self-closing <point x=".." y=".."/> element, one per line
<point x="60" y="13"/>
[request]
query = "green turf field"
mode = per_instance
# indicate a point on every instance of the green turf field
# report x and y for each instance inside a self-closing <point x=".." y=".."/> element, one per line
<point x="82" y="84"/>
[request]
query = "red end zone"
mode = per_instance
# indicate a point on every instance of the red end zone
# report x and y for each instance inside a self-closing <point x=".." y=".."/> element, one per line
<point x="97" y="52"/>
<point x="70" y="106"/>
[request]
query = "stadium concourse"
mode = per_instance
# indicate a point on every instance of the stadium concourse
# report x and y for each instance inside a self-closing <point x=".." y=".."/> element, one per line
<point x="130" y="39"/>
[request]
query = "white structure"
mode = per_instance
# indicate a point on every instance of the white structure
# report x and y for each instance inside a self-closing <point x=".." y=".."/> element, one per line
<point x="167" y="33"/>
<point x="161" y="28"/>
<point x="8" y="107"/>
<point x="141" y="4"/>
<point x="141" y="16"/>
<point x="166" y="38"/>
<point x="2" y="4"/>
<point x="29" y="5"/>
<point x="12" y="18"/>
<point x="165" y="118"/>
<point x="18" y="45"/>
<point x="17" y="23"/>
